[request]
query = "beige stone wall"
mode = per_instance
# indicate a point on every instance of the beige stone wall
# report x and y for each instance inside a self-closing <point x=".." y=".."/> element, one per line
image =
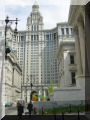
<point x="77" y="20"/>
<point x="12" y="81"/>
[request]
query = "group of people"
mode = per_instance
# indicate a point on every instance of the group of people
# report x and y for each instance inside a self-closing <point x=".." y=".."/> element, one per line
<point x="20" y="108"/>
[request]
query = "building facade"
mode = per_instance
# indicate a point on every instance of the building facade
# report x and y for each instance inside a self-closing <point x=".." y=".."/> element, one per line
<point x="37" y="49"/>
<point x="40" y="49"/>
<point x="79" y="18"/>
<point x="9" y="92"/>
<point x="2" y="72"/>
<point x="72" y="86"/>
<point x="67" y="59"/>
<point x="13" y="77"/>
<point x="78" y="23"/>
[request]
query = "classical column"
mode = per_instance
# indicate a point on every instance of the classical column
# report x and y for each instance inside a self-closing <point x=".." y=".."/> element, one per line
<point x="44" y="93"/>
<point x="87" y="43"/>
<point x="78" y="52"/>
<point x="65" y="31"/>
<point x="39" y="95"/>
<point x="82" y="43"/>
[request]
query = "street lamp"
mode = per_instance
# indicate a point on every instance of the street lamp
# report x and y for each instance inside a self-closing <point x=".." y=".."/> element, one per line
<point x="31" y="92"/>
<point x="7" y="21"/>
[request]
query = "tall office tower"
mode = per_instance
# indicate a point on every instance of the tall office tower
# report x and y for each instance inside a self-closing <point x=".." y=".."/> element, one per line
<point x="37" y="52"/>
<point x="35" y="40"/>
<point x="21" y="53"/>
<point x="42" y="49"/>
<point x="50" y="57"/>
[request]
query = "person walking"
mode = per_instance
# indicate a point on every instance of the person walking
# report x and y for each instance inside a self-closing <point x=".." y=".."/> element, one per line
<point x="35" y="110"/>
<point x="30" y="107"/>
<point x="20" y="109"/>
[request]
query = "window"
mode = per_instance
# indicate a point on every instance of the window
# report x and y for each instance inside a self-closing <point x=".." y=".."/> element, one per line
<point x="31" y="37"/>
<point x="73" y="78"/>
<point x="32" y="27"/>
<point x="37" y="28"/>
<point x="71" y="31"/>
<point x="34" y="37"/>
<point x="47" y="37"/>
<point x="62" y="30"/>
<point x="0" y="33"/>
<point x="55" y="36"/>
<point x="72" y="59"/>
<point x="67" y="31"/>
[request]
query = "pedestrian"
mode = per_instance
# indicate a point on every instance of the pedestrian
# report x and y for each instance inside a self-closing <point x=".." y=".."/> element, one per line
<point x="35" y="110"/>
<point x="30" y="107"/>
<point x="42" y="110"/>
<point x="20" y="109"/>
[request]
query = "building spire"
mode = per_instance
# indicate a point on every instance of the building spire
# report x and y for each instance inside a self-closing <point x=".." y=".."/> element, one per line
<point x="36" y="2"/>
<point x="35" y="6"/>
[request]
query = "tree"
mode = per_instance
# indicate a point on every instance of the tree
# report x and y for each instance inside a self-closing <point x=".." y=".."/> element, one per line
<point x="51" y="88"/>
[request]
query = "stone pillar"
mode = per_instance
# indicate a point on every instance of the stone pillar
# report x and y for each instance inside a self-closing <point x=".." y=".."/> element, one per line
<point x="44" y="93"/>
<point x="65" y="31"/>
<point x="78" y="52"/>
<point x="82" y="44"/>
<point x="87" y="43"/>
<point x="87" y="55"/>
<point x="70" y="32"/>
<point x="39" y="95"/>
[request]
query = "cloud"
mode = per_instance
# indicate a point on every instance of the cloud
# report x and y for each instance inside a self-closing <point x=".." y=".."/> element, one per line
<point x="41" y="2"/>
<point x="51" y="10"/>
<point x="2" y="10"/>
<point x="54" y="14"/>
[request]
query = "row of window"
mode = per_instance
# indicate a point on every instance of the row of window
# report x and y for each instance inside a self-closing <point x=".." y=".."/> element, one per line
<point x="50" y="36"/>
<point x="66" y="30"/>
<point x="35" y="27"/>
<point x="46" y="37"/>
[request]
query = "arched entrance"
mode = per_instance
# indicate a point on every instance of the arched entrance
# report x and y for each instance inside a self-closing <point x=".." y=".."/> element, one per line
<point x="34" y="96"/>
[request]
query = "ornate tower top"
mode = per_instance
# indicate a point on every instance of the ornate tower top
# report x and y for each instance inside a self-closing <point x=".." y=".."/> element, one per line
<point x="35" y="20"/>
<point x="35" y="6"/>
<point x="36" y="2"/>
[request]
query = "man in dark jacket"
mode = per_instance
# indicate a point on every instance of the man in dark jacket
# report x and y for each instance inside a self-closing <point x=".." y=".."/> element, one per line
<point x="30" y="108"/>
<point x="20" y="109"/>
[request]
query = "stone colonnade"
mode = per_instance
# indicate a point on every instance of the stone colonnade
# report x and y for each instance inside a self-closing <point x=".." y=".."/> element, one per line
<point x="79" y="30"/>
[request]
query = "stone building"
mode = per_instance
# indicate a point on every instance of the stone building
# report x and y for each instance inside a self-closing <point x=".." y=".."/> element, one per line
<point x="13" y="75"/>
<point x="77" y="20"/>
<point x="67" y="58"/>
<point x="9" y="92"/>
<point x="36" y="51"/>
<point x="2" y="72"/>
<point x="69" y="90"/>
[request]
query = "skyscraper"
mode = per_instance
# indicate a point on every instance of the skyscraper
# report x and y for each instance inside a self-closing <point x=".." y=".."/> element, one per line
<point x="37" y="50"/>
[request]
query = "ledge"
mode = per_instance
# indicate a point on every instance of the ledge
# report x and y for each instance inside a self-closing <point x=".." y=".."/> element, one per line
<point x="68" y="89"/>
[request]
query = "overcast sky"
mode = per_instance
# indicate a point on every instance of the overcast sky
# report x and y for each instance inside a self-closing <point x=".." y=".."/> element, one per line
<point x="53" y="11"/>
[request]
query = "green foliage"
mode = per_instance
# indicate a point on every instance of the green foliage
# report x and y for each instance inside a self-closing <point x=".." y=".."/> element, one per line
<point x="51" y="88"/>
<point x="59" y="110"/>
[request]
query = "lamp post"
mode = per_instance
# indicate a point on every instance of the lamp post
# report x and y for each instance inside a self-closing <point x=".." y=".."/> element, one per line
<point x="7" y="21"/>
<point x="31" y="85"/>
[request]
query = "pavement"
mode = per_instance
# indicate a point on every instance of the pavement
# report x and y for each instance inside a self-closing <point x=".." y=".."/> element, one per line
<point x="44" y="117"/>
<point x="11" y="114"/>
<point x="10" y="111"/>
<point x="13" y="111"/>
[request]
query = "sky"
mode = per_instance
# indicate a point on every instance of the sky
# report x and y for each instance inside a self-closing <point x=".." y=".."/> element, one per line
<point x="53" y="11"/>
